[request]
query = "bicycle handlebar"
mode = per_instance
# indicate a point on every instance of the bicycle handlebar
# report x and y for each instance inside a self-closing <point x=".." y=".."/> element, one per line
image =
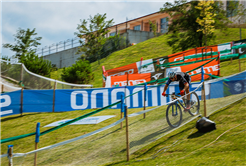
<point x="172" y="94"/>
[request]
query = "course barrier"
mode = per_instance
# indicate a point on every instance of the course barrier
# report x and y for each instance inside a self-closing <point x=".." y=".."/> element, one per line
<point x="101" y="148"/>
<point x="108" y="144"/>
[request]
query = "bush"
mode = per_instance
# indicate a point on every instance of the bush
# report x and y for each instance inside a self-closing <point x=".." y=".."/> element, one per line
<point x="36" y="65"/>
<point x="78" y="73"/>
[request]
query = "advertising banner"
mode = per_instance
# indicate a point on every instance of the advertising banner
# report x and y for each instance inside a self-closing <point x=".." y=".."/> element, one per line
<point x="240" y="51"/>
<point x="81" y="99"/>
<point x="195" y="51"/>
<point x="191" y="55"/>
<point x="10" y="103"/>
<point x="133" y="79"/>
<point x="210" y="68"/>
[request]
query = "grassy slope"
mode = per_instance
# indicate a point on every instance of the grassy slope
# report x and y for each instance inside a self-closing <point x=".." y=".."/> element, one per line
<point x="152" y="48"/>
<point x="15" y="125"/>
<point x="187" y="146"/>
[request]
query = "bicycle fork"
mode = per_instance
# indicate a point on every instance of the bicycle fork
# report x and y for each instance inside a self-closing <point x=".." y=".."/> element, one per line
<point x="175" y="109"/>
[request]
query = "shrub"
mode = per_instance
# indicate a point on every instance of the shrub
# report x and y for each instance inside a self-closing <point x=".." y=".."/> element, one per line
<point x="78" y="73"/>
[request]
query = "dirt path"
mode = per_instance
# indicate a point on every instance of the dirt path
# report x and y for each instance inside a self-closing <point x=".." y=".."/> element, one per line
<point x="7" y="86"/>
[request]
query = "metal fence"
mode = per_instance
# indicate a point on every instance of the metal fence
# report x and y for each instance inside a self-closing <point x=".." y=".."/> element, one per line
<point x="61" y="46"/>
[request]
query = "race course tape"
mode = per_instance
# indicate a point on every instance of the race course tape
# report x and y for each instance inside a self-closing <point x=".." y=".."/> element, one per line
<point x="66" y="142"/>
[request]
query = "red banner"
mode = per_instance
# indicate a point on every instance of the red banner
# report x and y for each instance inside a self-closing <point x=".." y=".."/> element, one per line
<point x="130" y="69"/>
<point x="133" y="79"/>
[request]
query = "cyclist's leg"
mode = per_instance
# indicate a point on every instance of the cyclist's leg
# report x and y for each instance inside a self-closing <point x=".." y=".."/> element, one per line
<point x="187" y="92"/>
<point x="181" y="87"/>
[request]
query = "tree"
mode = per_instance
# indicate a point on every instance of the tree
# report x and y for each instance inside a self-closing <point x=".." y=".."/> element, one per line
<point x="78" y="73"/>
<point x="25" y="42"/>
<point x="35" y="64"/>
<point x="207" y="18"/>
<point x="93" y="36"/>
<point x="184" y="27"/>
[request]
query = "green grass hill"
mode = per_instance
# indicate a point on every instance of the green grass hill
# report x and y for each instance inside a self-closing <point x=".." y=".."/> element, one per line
<point x="152" y="48"/>
<point x="185" y="146"/>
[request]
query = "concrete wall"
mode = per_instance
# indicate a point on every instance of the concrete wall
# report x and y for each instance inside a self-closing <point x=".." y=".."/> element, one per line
<point x="63" y="58"/>
<point x="138" y="36"/>
<point x="68" y="57"/>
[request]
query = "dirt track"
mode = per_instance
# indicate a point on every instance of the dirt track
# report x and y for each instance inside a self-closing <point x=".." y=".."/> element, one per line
<point x="7" y="88"/>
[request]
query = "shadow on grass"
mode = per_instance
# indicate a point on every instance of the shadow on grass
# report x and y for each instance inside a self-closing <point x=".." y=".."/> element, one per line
<point x="15" y="117"/>
<point x="195" y="135"/>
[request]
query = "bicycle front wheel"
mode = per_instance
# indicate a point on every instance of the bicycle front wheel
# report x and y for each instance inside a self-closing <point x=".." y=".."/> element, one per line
<point x="195" y="104"/>
<point x="174" y="115"/>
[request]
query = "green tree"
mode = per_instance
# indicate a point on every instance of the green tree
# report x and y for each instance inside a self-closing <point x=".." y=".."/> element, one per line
<point x="35" y="64"/>
<point x="93" y="36"/>
<point x="78" y="73"/>
<point x="26" y="41"/>
<point x="207" y="19"/>
<point x="183" y="25"/>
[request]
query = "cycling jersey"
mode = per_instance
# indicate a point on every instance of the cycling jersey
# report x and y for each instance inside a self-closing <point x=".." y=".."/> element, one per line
<point x="182" y="77"/>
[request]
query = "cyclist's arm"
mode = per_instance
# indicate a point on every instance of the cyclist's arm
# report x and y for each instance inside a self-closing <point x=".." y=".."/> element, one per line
<point x="165" y="88"/>
<point x="167" y="84"/>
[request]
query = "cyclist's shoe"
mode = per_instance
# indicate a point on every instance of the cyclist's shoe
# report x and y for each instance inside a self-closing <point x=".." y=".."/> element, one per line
<point x="192" y="102"/>
<point x="187" y="108"/>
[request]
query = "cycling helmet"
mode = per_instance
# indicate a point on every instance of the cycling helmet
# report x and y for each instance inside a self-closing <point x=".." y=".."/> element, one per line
<point x="171" y="74"/>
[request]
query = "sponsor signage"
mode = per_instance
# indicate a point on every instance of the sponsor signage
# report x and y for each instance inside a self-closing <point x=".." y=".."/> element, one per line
<point x="88" y="120"/>
<point x="195" y="51"/>
<point x="240" y="51"/>
<point x="81" y="99"/>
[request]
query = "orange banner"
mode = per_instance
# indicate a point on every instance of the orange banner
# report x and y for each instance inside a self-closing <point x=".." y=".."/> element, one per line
<point x="180" y="56"/>
<point x="133" y="79"/>
<point x="130" y="69"/>
<point x="211" y="68"/>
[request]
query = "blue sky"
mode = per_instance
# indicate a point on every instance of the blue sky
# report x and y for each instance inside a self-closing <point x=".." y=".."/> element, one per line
<point x="57" y="21"/>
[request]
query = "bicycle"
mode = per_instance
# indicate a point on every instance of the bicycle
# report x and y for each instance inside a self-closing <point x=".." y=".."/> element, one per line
<point x="174" y="113"/>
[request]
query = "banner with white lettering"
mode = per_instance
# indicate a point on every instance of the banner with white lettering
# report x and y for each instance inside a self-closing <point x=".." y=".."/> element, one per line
<point x="10" y="103"/>
<point x="81" y="99"/>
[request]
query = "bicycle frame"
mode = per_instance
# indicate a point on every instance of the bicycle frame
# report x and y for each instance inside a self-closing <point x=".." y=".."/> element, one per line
<point x="174" y="97"/>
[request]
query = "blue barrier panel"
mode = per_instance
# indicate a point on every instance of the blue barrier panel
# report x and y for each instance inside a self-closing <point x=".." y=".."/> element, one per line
<point x="10" y="103"/>
<point x="37" y="101"/>
<point x="81" y="99"/>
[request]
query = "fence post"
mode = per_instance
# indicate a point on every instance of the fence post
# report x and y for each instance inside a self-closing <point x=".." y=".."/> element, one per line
<point x="21" y="74"/>
<point x="36" y="142"/>
<point x="10" y="154"/>
<point x="127" y="135"/>
<point x="204" y="99"/>
<point x="145" y="97"/>
<point x="239" y="63"/>
<point x="232" y="49"/>
<point x="2" y="86"/>
<point x="219" y="63"/>
<point x="122" y="109"/>
<point x="22" y="91"/>
<point x="54" y="95"/>
<point x="202" y="74"/>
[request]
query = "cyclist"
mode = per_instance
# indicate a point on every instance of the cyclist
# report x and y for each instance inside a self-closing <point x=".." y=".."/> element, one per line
<point x="184" y="84"/>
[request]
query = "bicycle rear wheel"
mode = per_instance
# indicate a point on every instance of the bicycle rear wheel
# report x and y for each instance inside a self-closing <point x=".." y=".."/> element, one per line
<point x="195" y="104"/>
<point x="174" y="115"/>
